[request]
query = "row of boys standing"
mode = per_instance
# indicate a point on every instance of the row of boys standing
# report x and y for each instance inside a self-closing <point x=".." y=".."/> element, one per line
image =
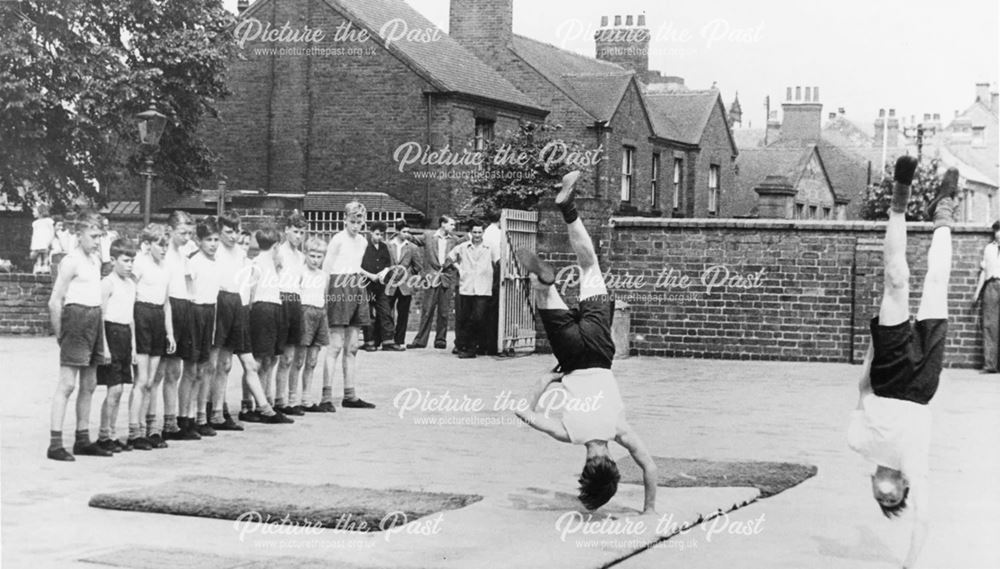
<point x="177" y="312"/>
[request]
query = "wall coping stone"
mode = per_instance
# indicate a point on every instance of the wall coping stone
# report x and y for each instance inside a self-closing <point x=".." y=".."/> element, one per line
<point x="784" y="225"/>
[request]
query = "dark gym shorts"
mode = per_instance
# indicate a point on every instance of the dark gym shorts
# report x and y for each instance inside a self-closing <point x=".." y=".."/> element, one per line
<point x="266" y="339"/>
<point x="315" y="330"/>
<point x="291" y="305"/>
<point x="347" y="301"/>
<point x="202" y="331"/>
<point x="150" y="329"/>
<point x="232" y="323"/>
<point x="581" y="337"/>
<point x="81" y="338"/>
<point x="119" y="371"/>
<point x="180" y="316"/>
<point x="908" y="359"/>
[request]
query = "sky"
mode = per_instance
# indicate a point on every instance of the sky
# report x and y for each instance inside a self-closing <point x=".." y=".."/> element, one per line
<point x="916" y="57"/>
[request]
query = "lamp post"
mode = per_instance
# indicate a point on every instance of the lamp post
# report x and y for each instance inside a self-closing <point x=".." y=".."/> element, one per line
<point x="151" y="125"/>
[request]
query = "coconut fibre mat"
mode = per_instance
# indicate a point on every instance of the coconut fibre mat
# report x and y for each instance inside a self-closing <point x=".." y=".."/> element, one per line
<point x="326" y="506"/>
<point x="769" y="477"/>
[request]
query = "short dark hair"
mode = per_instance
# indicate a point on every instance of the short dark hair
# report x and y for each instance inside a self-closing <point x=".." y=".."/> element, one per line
<point x="445" y="218"/>
<point x="996" y="226"/>
<point x="294" y="219"/>
<point x="598" y="481"/>
<point x="266" y="238"/>
<point x="474" y="222"/>
<point x="401" y="225"/>
<point x="208" y="226"/>
<point x="378" y="226"/>
<point x="230" y="219"/>
<point x="122" y="246"/>
<point x="896" y="510"/>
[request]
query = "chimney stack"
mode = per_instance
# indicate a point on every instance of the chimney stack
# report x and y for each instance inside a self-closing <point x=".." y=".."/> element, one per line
<point x="983" y="93"/>
<point x="604" y="21"/>
<point x="241" y="6"/>
<point x="892" y="124"/>
<point x="802" y="119"/>
<point x="995" y="102"/>
<point x="484" y="28"/>
<point x="627" y="46"/>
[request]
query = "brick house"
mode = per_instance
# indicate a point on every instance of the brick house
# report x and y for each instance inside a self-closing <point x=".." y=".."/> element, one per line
<point x="787" y="183"/>
<point x="331" y="113"/>
<point x="667" y="151"/>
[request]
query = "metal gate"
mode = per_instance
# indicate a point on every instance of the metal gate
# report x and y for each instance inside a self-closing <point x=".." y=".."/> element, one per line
<point x="517" y="321"/>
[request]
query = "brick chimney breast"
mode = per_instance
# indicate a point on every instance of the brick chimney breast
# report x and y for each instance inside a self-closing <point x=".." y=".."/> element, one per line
<point x="803" y="118"/>
<point x="483" y="27"/>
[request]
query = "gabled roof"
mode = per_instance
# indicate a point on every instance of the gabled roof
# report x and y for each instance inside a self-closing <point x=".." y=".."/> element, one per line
<point x="444" y="63"/>
<point x="598" y="94"/>
<point x="682" y="115"/>
<point x="756" y="164"/>
<point x="594" y="85"/>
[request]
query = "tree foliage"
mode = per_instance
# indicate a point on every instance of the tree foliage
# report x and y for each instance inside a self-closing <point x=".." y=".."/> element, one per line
<point x="521" y="167"/>
<point x="875" y="206"/>
<point x="73" y="75"/>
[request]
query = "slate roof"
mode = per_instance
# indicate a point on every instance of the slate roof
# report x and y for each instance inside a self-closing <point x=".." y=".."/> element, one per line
<point x="756" y="164"/>
<point x="596" y="86"/>
<point x="681" y="115"/>
<point x="442" y="62"/>
<point x="748" y="137"/>
<point x="598" y="94"/>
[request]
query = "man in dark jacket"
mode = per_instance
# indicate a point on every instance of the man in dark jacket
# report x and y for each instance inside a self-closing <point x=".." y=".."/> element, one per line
<point x="376" y="260"/>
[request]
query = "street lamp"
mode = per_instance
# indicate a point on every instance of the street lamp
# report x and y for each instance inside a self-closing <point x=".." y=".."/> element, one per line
<point x="151" y="125"/>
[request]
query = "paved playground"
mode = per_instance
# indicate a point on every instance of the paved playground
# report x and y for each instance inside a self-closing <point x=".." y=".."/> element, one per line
<point x="710" y="409"/>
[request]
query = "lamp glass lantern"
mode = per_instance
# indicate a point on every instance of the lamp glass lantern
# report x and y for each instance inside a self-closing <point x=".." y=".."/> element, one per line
<point x="151" y="125"/>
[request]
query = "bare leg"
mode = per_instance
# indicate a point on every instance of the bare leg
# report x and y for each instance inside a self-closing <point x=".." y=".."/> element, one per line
<point x="223" y="365"/>
<point x="187" y="389"/>
<point x="88" y="382"/>
<point x="934" y="298"/>
<point x="172" y="370"/>
<point x="350" y="361"/>
<point x="139" y="396"/>
<point x="283" y="397"/>
<point x="337" y="341"/>
<point x="67" y="383"/>
<point x="251" y="383"/>
<point x="294" y="372"/>
<point x="591" y="280"/>
<point x="266" y="367"/>
<point x="311" y="357"/>
<point x="895" y="307"/>
<point x="151" y="408"/>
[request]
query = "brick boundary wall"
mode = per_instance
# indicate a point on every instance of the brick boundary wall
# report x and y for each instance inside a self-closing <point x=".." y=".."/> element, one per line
<point x="802" y="290"/>
<point x="24" y="304"/>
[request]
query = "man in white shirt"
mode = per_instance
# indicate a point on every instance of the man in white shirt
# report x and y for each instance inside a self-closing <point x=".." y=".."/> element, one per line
<point x="988" y="292"/>
<point x="891" y="425"/>
<point x="476" y="264"/>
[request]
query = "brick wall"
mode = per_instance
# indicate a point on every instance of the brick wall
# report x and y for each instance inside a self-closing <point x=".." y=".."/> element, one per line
<point x="714" y="149"/>
<point x="24" y="303"/>
<point x="796" y="290"/>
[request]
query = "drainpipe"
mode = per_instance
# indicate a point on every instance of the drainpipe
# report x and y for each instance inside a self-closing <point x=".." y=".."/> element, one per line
<point x="427" y="141"/>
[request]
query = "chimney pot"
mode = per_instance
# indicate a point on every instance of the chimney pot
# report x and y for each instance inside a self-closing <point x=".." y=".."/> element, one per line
<point x="892" y="113"/>
<point x="881" y="113"/>
<point x="604" y="21"/>
<point x="808" y="94"/>
<point x="841" y="111"/>
<point x="241" y="6"/>
<point x="618" y="21"/>
<point x="832" y="116"/>
<point x="816" y="94"/>
<point x="788" y="94"/>
<point x="798" y="93"/>
<point x="937" y="116"/>
<point x="642" y="20"/>
<point x="628" y="20"/>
